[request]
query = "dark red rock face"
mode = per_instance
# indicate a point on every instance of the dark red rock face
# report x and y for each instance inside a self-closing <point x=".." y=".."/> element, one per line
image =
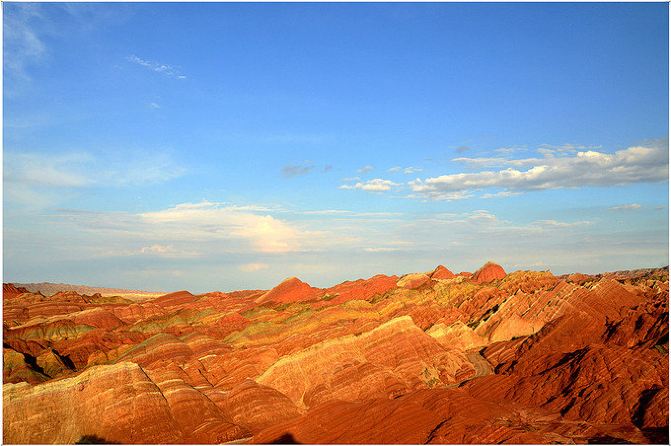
<point x="525" y="357"/>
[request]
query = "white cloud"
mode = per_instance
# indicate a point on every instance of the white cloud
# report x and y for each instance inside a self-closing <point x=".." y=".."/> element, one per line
<point x="59" y="170"/>
<point x="510" y="150"/>
<point x="157" y="249"/>
<point x="482" y="161"/>
<point x="383" y="249"/>
<point x="23" y="43"/>
<point x="154" y="105"/>
<point x="365" y="169"/>
<point x="502" y="194"/>
<point x="406" y="170"/>
<point x="28" y="27"/>
<point x="253" y="267"/>
<point x="157" y="67"/>
<point x="482" y="215"/>
<point x="560" y="224"/>
<point x="143" y="168"/>
<point x="586" y="168"/>
<point x="296" y="170"/>
<point x="192" y="237"/>
<point x="79" y="169"/>
<point x="375" y="185"/>
<point x="567" y="148"/>
<point x="328" y="212"/>
<point x="37" y="179"/>
<point x="203" y="229"/>
<point x="626" y="207"/>
<point x="443" y="196"/>
<point x="212" y="220"/>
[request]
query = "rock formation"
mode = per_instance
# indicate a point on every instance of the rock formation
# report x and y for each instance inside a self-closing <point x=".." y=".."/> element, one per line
<point x="442" y="273"/>
<point x="488" y="272"/>
<point x="291" y="290"/>
<point x="525" y="357"/>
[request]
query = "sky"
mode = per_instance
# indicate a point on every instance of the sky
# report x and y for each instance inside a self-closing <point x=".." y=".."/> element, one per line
<point x="229" y="146"/>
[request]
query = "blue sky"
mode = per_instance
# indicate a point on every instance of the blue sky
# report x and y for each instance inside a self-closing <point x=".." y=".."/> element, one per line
<point x="227" y="146"/>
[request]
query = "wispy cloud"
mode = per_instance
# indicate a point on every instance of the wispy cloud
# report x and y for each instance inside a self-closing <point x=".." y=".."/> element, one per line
<point x="192" y="237"/>
<point x="502" y="194"/>
<point x="375" y="185"/>
<point x="213" y="220"/>
<point x="406" y="170"/>
<point x="342" y="212"/>
<point x="561" y="224"/>
<point x="161" y="250"/>
<point x="156" y="249"/>
<point x="383" y="249"/>
<point x="28" y="27"/>
<point x="35" y="178"/>
<point x="200" y="229"/>
<point x="143" y="168"/>
<point x="253" y="267"/>
<point x="23" y="43"/>
<point x="510" y="150"/>
<point x="59" y="170"/>
<point x="626" y="207"/>
<point x="295" y="170"/>
<point x="365" y="169"/>
<point x="157" y="67"/>
<point x="552" y="149"/>
<point x="581" y="169"/>
<point x="442" y="196"/>
<point x="481" y="215"/>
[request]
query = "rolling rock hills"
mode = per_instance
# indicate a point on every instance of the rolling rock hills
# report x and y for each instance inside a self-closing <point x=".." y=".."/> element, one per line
<point x="436" y="357"/>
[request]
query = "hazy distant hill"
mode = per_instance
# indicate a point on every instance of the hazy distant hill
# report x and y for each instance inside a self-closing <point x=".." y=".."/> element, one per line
<point x="48" y="289"/>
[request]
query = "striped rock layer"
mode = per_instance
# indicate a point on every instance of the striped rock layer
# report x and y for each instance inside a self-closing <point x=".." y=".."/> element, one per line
<point x="489" y="357"/>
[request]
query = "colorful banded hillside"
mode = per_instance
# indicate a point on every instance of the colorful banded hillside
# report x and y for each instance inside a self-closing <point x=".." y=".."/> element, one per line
<point x="434" y="357"/>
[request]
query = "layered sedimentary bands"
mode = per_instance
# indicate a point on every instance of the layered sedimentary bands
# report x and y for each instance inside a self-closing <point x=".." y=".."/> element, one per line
<point x="435" y="357"/>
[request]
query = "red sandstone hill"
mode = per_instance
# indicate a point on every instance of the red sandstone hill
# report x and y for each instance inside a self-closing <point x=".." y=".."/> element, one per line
<point x="9" y="290"/>
<point x="290" y="290"/>
<point x="525" y="357"/>
<point x="488" y="272"/>
<point x="442" y="273"/>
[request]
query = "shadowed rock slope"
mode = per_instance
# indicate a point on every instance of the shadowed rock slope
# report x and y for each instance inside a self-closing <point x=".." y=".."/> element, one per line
<point x="489" y="357"/>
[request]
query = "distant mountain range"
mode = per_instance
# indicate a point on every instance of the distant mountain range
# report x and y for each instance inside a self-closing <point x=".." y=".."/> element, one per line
<point x="49" y="289"/>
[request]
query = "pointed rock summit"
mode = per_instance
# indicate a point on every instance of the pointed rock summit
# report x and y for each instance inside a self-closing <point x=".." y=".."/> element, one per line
<point x="442" y="273"/>
<point x="488" y="272"/>
<point x="290" y="290"/>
